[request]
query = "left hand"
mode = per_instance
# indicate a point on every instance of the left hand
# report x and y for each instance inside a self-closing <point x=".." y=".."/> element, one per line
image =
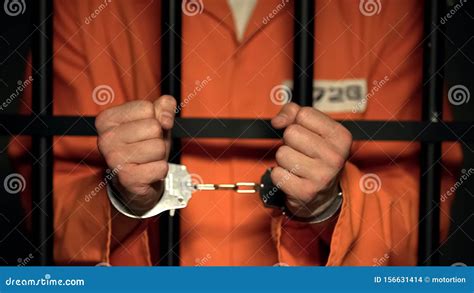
<point x="309" y="163"/>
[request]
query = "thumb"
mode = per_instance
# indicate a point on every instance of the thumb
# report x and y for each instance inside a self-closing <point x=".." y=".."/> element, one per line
<point x="165" y="110"/>
<point x="286" y="116"/>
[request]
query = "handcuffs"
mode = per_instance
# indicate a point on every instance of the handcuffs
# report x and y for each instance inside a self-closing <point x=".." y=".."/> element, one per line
<point x="179" y="188"/>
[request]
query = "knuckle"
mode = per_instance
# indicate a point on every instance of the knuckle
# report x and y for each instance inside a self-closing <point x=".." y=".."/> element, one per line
<point x="104" y="142"/>
<point x="163" y="168"/>
<point x="146" y="108"/>
<point x="288" y="108"/>
<point x="169" y="100"/>
<point x="304" y="114"/>
<point x="275" y="175"/>
<point x="114" y="159"/>
<point x="154" y="127"/>
<point x="344" y="134"/>
<point x="99" y="120"/>
<point x="293" y="106"/>
<point x="290" y="132"/>
<point x="281" y="153"/>
<point x="160" y="149"/>
<point x="337" y="161"/>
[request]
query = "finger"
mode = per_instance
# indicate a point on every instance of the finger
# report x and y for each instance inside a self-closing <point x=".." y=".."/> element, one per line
<point x="317" y="171"/>
<point x="299" y="191"/>
<point x="295" y="162"/>
<point x="144" y="151"/>
<point x="307" y="142"/>
<point x="286" y="116"/>
<point x="165" y="110"/>
<point x="316" y="121"/>
<point x="127" y="112"/>
<point x="138" y="178"/>
<point x="136" y="131"/>
<point x="284" y="180"/>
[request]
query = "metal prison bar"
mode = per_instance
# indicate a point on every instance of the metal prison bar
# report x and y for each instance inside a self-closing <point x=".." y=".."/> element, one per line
<point x="430" y="168"/>
<point x="171" y="85"/>
<point x="303" y="53"/>
<point x="431" y="131"/>
<point x="424" y="131"/>
<point x="42" y="105"/>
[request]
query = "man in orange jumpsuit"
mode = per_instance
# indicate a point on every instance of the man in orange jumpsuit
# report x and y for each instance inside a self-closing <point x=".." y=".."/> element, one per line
<point x="107" y="61"/>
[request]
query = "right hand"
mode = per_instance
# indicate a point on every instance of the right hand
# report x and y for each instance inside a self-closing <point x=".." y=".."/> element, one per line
<point x="135" y="139"/>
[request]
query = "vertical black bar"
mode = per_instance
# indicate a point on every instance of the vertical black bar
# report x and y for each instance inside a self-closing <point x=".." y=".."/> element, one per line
<point x="303" y="56"/>
<point x="430" y="178"/>
<point x="171" y="85"/>
<point x="42" y="105"/>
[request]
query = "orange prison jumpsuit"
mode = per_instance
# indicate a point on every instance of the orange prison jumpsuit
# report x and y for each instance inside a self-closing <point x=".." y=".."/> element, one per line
<point x="120" y="47"/>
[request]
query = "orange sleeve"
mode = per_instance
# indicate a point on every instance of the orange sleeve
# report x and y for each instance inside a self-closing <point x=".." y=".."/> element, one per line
<point x="379" y="227"/>
<point x="373" y="228"/>
<point x="378" y="221"/>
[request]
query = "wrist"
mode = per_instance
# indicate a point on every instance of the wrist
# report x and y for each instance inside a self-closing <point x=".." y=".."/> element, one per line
<point x="174" y="195"/>
<point x="324" y="207"/>
<point x="134" y="203"/>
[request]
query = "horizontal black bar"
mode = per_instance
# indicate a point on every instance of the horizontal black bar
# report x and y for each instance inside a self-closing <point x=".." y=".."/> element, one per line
<point x="244" y="128"/>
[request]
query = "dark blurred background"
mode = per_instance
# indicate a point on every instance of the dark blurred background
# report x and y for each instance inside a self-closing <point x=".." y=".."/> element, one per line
<point x="15" y="38"/>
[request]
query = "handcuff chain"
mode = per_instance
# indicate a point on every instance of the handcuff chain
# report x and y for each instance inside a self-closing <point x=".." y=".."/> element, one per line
<point x="239" y="187"/>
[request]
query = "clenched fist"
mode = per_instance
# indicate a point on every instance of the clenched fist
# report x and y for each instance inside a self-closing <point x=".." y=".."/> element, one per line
<point x="135" y="137"/>
<point x="314" y="151"/>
